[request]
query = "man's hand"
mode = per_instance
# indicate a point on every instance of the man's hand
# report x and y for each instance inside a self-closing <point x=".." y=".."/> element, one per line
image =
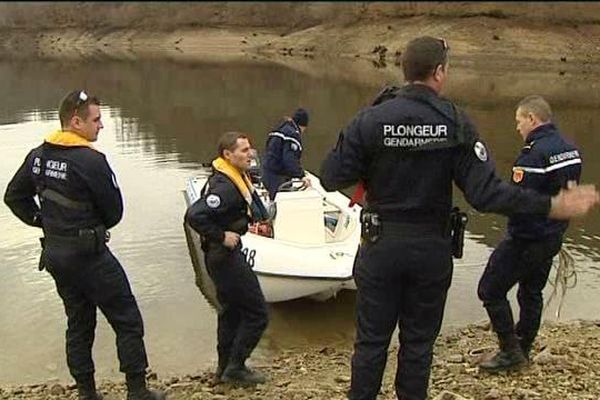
<point x="575" y="201"/>
<point x="231" y="239"/>
<point x="306" y="182"/>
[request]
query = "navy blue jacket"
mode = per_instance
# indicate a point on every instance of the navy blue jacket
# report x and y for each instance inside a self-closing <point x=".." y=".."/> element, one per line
<point x="220" y="208"/>
<point x="283" y="152"/>
<point x="409" y="149"/>
<point x="546" y="163"/>
<point x="80" y="174"/>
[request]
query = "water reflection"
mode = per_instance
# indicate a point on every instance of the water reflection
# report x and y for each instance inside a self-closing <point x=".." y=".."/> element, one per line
<point x="161" y="120"/>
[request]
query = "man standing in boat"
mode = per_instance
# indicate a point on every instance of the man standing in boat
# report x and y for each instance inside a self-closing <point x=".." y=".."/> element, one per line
<point x="221" y="215"/>
<point x="79" y="201"/>
<point x="547" y="163"/>
<point x="408" y="148"/>
<point x="284" y="151"/>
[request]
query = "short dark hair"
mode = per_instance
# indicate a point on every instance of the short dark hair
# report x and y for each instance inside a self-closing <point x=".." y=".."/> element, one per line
<point x="422" y="56"/>
<point x="75" y="103"/>
<point x="228" y="141"/>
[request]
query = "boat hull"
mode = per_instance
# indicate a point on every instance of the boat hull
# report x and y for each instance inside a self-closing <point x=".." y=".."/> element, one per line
<point x="327" y="270"/>
<point x="288" y="270"/>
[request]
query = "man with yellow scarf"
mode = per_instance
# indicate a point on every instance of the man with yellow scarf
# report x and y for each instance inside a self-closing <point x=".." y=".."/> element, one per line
<point x="227" y="204"/>
<point x="79" y="200"/>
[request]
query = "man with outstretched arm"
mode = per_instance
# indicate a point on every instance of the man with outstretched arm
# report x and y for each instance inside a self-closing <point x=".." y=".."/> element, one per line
<point x="407" y="149"/>
<point x="547" y="163"/>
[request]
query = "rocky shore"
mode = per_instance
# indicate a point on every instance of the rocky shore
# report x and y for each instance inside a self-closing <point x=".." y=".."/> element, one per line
<point x="562" y="38"/>
<point x="564" y="365"/>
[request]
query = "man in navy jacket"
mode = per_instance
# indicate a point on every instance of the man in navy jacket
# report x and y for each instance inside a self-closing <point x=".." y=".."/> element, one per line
<point x="284" y="151"/>
<point x="547" y="163"/>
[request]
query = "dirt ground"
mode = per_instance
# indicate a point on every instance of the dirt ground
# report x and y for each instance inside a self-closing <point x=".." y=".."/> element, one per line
<point x="500" y="44"/>
<point x="504" y="56"/>
<point x="564" y="365"/>
<point x="366" y="52"/>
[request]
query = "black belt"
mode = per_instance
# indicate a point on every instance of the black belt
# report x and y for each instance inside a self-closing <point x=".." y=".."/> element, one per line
<point x="414" y="228"/>
<point x="63" y="240"/>
<point x="412" y="217"/>
<point x="94" y="238"/>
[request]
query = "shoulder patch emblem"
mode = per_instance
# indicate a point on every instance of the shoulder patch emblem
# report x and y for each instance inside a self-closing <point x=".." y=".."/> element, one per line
<point x="480" y="151"/>
<point x="518" y="175"/>
<point x="294" y="146"/>
<point x="213" y="201"/>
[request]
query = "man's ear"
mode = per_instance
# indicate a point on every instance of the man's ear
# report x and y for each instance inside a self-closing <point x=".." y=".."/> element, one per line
<point x="227" y="154"/>
<point x="75" y="121"/>
<point x="438" y="71"/>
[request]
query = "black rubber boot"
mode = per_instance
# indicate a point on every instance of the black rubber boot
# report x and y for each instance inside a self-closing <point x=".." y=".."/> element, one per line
<point x="526" y="344"/>
<point x="220" y="369"/>
<point x="137" y="390"/>
<point x="510" y="356"/>
<point x="237" y="373"/>
<point x="86" y="387"/>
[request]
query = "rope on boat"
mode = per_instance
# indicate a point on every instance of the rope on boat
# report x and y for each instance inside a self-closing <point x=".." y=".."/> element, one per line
<point x="565" y="278"/>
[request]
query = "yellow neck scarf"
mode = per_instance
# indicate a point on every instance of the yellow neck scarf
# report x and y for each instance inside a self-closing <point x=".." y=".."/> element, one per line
<point x="240" y="179"/>
<point x="68" y="139"/>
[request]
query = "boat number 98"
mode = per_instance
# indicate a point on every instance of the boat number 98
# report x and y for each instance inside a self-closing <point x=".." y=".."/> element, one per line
<point x="249" y="254"/>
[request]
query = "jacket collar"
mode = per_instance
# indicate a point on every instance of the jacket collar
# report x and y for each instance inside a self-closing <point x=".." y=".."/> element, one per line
<point x="541" y="131"/>
<point x="67" y="139"/>
<point x="241" y="180"/>
<point x="420" y="87"/>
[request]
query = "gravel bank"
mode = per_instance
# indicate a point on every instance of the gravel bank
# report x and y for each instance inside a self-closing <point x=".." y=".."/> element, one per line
<point x="565" y="365"/>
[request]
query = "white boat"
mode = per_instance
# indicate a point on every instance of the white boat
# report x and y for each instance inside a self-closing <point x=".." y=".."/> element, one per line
<point x="311" y="254"/>
<point x="311" y="251"/>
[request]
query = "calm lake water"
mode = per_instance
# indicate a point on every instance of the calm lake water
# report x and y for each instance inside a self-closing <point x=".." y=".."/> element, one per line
<point x="162" y="119"/>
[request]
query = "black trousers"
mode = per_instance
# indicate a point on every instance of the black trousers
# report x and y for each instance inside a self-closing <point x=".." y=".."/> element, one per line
<point x="86" y="280"/>
<point x="243" y="317"/>
<point x="528" y="263"/>
<point x="401" y="279"/>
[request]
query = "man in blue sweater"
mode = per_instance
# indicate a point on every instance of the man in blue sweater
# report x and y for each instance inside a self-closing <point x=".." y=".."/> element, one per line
<point x="547" y="163"/>
<point x="284" y="151"/>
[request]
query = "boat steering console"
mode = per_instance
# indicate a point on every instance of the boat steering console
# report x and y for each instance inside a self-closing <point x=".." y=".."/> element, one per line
<point x="293" y="185"/>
